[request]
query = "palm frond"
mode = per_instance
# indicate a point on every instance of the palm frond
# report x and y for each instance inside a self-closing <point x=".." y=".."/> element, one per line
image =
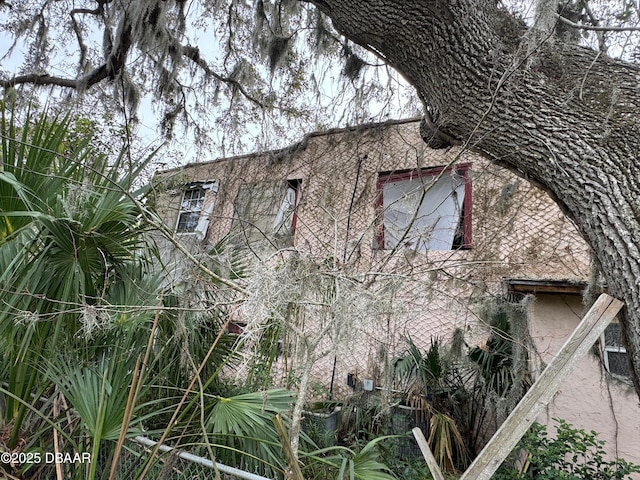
<point x="244" y="424"/>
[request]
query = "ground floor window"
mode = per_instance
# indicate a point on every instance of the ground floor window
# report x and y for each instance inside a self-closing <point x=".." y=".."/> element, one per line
<point x="614" y="353"/>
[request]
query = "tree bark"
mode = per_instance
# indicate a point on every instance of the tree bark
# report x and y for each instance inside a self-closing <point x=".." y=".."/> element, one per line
<point x="555" y="113"/>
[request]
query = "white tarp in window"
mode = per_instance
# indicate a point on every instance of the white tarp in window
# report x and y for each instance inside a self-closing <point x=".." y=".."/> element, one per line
<point x="429" y="224"/>
<point x="283" y="224"/>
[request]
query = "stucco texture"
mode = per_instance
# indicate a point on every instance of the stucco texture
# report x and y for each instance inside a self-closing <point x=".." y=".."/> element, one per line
<point x="590" y="398"/>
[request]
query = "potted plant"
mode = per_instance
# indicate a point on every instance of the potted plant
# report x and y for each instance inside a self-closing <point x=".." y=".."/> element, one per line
<point x="428" y="387"/>
<point x="321" y="421"/>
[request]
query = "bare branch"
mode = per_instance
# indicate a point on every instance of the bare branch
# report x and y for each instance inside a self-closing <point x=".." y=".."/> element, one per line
<point x="597" y="28"/>
<point x="193" y="53"/>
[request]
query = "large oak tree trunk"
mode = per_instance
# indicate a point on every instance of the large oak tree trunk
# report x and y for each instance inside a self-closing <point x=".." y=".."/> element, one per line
<point x="563" y="116"/>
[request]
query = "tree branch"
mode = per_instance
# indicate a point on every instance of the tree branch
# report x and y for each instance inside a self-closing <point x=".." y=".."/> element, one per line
<point x="37" y="79"/>
<point x="110" y="69"/>
<point x="597" y="28"/>
<point x="95" y="76"/>
<point x="193" y="53"/>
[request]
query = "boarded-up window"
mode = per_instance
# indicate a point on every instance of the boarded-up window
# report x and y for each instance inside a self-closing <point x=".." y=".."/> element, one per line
<point x="265" y="212"/>
<point x="425" y="209"/>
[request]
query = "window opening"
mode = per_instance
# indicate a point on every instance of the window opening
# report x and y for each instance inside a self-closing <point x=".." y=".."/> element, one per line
<point x="284" y="223"/>
<point x="427" y="209"/>
<point x="196" y="208"/>
<point x="190" y="208"/>
<point x="614" y="353"/>
<point x="266" y="211"/>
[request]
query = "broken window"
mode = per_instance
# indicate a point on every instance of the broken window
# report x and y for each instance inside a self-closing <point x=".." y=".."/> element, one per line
<point x="265" y="211"/>
<point x="427" y="209"/>
<point x="196" y="207"/>
<point x="614" y="352"/>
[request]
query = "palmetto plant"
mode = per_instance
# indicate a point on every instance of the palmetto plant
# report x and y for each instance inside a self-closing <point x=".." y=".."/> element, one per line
<point x="430" y="382"/>
<point x="342" y="463"/>
<point x="97" y="394"/>
<point x="243" y="430"/>
<point x="87" y="317"/>
<point x="69" y="235"/>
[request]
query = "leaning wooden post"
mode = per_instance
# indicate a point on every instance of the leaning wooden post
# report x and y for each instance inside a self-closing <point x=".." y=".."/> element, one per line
<point x="427" y="454"/>
<point x="544" y="388"/>
<point x="294" y="472"/>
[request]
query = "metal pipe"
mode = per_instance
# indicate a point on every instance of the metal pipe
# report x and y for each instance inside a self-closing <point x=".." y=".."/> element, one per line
<point x="202" y="461"/>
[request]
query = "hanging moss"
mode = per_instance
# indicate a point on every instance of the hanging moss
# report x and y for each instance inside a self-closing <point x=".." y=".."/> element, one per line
<point x="322" y="38"/>
<point x="353" y="66"/>
<point x="506" y="197"/>
<point x="278" y="48"/>
<point x="503" y="360"/>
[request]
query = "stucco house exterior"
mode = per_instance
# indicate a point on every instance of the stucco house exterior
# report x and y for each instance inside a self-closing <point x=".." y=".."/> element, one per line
<point x="434" y="232"/>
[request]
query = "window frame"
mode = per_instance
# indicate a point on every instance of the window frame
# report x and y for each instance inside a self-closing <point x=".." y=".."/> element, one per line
<point x="272" y="232"/>
<point x="609" y="348"/>
<point x="406" y="175"/>
<point x="205" y="210"/>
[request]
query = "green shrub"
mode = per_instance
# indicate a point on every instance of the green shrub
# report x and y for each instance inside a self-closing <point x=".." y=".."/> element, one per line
<point x="572" y="454"/>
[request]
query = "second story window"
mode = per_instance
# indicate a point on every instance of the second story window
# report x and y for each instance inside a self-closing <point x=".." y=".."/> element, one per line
<point x="195" y="208"/>
<point x="428" y="209"/>
<point x="265" y="211"/>
<point x="190" y="208"/>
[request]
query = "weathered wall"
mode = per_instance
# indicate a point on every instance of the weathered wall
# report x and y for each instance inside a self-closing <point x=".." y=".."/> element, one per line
<point x="517" y="232"/>
<point x="590" y="398"/>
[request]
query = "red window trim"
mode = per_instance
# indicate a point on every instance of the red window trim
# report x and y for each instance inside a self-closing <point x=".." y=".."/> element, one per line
<point x="462" y="169"/>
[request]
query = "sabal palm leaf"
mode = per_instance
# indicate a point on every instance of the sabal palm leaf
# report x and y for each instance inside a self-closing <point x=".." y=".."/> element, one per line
<point x="446" y="442"/>
<point x="243" y="425"/>
<point x="353" y="465"/>
<point x="32" y="155"/>
<point x="366" y="464"/>
<point x="98" y="393"/>
<point x="84" y="219"/>
<point x="68" y="227"/>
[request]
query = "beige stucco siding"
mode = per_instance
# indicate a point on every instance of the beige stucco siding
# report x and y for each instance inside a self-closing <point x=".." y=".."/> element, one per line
<point x="590" y="398"/>
<point x="517" y="232"/>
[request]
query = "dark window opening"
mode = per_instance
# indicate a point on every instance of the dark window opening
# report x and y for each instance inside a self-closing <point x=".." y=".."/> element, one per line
<point x="266" y="211"/>
<point x="615" y="356"/>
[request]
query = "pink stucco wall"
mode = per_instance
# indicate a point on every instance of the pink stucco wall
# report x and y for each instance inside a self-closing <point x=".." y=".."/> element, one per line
<point x="517" y="232"/>
<point x="590" y="398"/>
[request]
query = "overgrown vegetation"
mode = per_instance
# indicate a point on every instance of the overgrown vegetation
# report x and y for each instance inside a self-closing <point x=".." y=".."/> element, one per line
<point x="571" y="454"/>
<point x="462" y="396"/>
<point x="96" y="346"/>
